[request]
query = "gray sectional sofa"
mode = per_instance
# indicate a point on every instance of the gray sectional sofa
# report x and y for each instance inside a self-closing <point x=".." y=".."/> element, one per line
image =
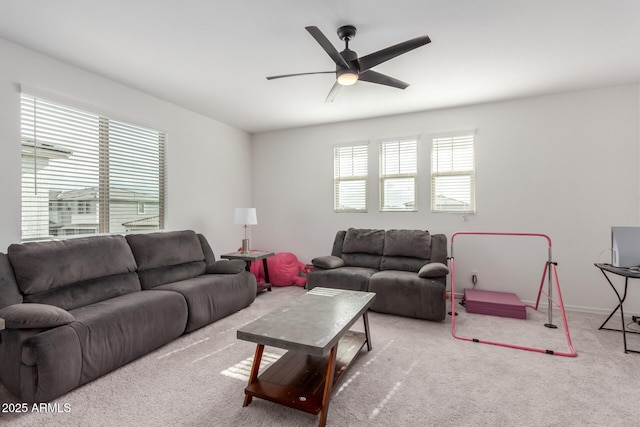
<point x="77" y="309"/>
<point x="407" y="270"/>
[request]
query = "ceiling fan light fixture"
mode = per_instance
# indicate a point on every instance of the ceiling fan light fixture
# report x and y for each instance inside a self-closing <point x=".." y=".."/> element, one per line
<point x="350" y="68"/>
<point x="347" y="77"/>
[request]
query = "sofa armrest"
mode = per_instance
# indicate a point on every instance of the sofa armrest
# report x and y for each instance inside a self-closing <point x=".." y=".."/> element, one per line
<point x="32" y="315"/>
<point x="233" y="266"/>
<point x="433" y="270"/>
<point x="328" y="262"/>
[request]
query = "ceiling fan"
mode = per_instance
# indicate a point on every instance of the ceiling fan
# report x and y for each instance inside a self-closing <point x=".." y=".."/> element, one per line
<point x="350" y="68"/>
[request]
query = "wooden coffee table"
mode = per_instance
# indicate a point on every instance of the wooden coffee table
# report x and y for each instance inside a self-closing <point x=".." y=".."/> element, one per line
<point x="315" y="330"/>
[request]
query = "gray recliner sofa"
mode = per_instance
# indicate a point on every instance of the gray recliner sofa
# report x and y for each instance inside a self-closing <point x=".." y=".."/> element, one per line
<point x="77" y="309"/>
<point x="407" y="270"/>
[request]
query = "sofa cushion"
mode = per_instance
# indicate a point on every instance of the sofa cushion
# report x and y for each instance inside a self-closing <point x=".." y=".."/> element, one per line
<point x="362" y="260"/>
<point x="116" y="331"/>
<point x="40" y="266"/>
<point x="88" y="292"/>
<point x="209" y="256"/>
<point x="360" y="240"/>
<point x="32" y="316"/>
<point x="211" y="296"/>
<point x="233" y="266"/>
<point x="439" y="248"/>
<point x="172" y="273"/>
<point x="163" y="249"/>
<point x="433" y="269"/>
<point x="9" y="292"/>
<point x="328" y="262"/>
<point x="338" y="243"/>
<point x="408" y="243"/>
<point x="349" y="278"/>
<point x="402" y="263"/>
<point x="404" y="293"/>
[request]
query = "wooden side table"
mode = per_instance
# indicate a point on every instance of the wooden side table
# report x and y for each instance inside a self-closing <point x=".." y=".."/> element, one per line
<point x="251" y="257"/>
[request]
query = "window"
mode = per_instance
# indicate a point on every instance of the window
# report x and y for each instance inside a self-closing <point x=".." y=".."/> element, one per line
<point x="398" y="172"/>
<point x="453" y="173"/>
<point x="350" y="178"/>
<point x="84" y="207"/>
<point x="83" y="173"/>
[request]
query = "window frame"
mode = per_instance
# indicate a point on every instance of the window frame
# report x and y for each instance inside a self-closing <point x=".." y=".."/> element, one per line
<point x="116" y="162"/>
<point x="457" y="142"/>
<point x="383" y="177"/>
<point x="359" y="153"/>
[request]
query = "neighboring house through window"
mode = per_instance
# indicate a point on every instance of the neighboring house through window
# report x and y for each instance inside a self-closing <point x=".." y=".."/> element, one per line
<point x="84" y="173"/>
<point x="398" y="174"/>
<point x="350" y="174"/>
<point x="453" y="173"/>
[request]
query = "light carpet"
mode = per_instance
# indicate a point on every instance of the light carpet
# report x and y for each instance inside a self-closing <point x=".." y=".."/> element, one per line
<point x="417" y="374"/>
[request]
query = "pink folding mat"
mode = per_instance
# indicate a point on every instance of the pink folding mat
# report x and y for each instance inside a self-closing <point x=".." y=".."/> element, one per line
<point x="503" y="304"/>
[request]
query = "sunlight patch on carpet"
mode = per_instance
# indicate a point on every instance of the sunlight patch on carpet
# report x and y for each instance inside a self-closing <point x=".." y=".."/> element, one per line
<point x="384" y="401"/>
<point x="370" y="361"/>
<point x="182" y="348"/>
<point x="242" y="370"/>
<point x="373" y="359"/>
<point x="212" y="353"/>
<point x="347" y="382"/>
<point x="236" y="327"/>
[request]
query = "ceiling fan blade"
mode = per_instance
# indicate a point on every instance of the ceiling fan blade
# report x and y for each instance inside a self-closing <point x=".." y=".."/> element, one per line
<point x="299" y="74"/>
<point x="382" y="79"/>
<point x="373" y="59"/>
<point x="333" y="92"/>
<point x="327" y="46"/>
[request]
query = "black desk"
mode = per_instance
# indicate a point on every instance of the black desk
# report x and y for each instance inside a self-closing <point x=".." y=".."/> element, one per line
<point x="626" y="273"/>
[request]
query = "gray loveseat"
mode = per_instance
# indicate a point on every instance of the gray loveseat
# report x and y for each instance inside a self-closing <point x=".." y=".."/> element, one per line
<point x="77" y="309"/>
<point x="406" y="269"/>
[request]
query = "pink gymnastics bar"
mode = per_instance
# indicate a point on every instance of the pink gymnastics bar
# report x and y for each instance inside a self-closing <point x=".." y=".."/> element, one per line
<point x="550" y="272"/>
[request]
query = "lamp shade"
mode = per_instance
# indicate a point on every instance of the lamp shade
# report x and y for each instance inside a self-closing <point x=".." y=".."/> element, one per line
<point x="246" y="216"/>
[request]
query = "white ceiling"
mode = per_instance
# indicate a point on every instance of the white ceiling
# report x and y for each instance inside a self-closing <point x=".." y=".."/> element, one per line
<point x="212" y="56"/>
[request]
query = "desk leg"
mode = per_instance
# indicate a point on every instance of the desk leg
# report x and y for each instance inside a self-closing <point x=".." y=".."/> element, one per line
<point x="621" y="300"/>
<point x="257" y="358"/>
<point x="367" y="335"/>
<point x="624" y="330"/>
<point x="328" y="386"/>
<point x="266" y="274"/>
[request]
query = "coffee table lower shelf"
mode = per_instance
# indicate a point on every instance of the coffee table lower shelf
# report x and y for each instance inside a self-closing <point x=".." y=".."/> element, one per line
<point x="297" y="380"/>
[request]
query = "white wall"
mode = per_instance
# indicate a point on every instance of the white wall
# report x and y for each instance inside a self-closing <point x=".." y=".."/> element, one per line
<point x="204" y="156"/>
<point x="564" y="165"/>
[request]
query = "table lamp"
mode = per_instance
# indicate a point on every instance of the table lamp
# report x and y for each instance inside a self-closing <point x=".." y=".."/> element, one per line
<point x="246" y="217"/>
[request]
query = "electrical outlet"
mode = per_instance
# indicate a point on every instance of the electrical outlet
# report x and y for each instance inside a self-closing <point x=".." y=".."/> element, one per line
<point x="474" y="277"/>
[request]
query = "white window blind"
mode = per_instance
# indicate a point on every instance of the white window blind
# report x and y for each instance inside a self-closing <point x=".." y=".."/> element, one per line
<point x="350" y="173"/>
<point x="398" y="173"/>
<point x="83" y="173"/>
<point x="453" y="173"/>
